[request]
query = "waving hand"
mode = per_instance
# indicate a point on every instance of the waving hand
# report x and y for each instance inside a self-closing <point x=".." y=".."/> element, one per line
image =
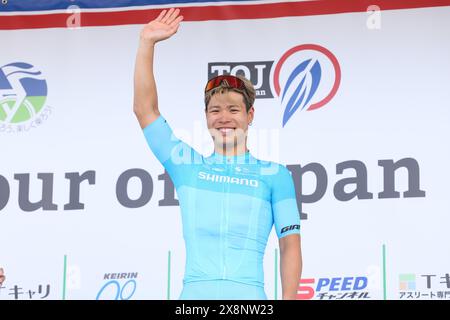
<point x="163" y="27"/>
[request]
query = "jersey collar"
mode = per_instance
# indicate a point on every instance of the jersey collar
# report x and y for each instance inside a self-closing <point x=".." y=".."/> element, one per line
<point x="239" y="159"/>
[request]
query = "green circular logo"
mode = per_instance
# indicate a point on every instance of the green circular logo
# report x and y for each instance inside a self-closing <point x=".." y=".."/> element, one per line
<point x="23" y="93"/>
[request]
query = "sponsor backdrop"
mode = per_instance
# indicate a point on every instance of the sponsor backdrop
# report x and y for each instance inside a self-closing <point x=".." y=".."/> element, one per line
<point x="353" y="98"/>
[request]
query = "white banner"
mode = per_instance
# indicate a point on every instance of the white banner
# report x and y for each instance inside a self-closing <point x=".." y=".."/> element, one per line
<point x="369" y="158"/>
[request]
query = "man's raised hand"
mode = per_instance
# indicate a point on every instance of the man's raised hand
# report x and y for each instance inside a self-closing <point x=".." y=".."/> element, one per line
<point x="163" y="27"/>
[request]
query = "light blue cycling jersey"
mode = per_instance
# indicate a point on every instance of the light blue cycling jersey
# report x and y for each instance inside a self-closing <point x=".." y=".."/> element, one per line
<point x="228" y="206"/>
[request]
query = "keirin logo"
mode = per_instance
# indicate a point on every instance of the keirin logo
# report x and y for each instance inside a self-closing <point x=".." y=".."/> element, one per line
<point x="116" y="288"/>
<point x="307" y="77"/>
<point x="23" y="92"/>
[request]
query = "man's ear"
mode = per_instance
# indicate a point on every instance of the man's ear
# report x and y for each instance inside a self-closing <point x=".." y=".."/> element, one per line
<point x="251" y="113"/>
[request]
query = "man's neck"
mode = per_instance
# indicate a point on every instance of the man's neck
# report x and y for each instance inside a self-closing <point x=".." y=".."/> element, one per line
<point x="231" y="151"/>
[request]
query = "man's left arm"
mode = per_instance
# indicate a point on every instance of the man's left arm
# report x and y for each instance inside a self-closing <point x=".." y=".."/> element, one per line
<point x="287" y="225"/>
<point x="290" y="265"/>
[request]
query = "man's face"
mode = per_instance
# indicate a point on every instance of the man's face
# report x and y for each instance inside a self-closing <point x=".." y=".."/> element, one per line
<point x="227" y="121"/>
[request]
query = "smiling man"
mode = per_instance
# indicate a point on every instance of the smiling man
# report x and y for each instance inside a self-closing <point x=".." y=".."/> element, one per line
<point x="229" y="111"/>
<point x="229" y="200"/>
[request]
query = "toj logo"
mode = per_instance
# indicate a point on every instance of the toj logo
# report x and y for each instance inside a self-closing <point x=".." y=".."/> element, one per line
<point x="305" y="78"/>
<point x="23" y="93"/>
<point x="257" y="72"/>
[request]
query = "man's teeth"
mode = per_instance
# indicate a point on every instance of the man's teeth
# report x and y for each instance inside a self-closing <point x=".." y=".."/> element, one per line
<point x="225" y="130"/>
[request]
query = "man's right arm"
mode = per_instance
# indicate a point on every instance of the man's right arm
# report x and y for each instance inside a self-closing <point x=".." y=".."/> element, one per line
<point x="145" y="96"/>
<point x="145" y="103"/>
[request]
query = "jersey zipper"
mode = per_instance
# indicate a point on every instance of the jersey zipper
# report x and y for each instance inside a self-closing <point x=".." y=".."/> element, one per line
<point x="226" y="210"/>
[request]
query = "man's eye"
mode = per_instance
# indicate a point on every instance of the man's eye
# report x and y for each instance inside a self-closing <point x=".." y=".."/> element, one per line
<point x="234" y="110"/>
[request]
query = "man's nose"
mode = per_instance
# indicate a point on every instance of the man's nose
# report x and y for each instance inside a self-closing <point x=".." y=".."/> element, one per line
<point x="224" y="117"/>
